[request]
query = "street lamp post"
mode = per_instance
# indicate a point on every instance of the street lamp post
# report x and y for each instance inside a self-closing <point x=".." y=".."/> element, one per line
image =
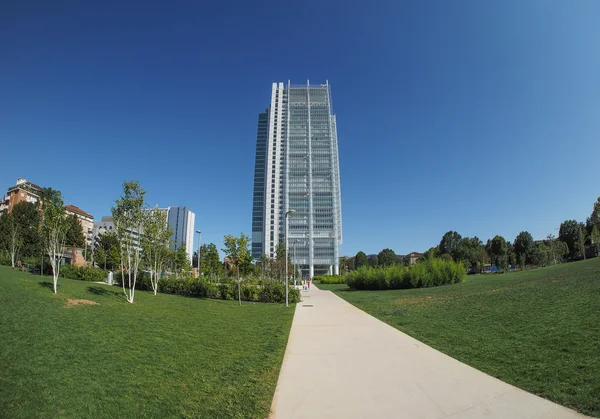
<point x="286" y="257"/>
<point x="199" y="237"/>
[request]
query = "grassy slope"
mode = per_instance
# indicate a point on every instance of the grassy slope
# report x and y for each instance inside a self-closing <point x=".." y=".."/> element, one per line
<point x="164" y="356"/>
<point x="538" y="330"/>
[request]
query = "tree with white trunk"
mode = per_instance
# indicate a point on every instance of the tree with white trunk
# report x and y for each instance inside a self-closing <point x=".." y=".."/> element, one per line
<point x="53" y="230"/>
<point x="155" y="244"/>
<point x="128" y="217"/>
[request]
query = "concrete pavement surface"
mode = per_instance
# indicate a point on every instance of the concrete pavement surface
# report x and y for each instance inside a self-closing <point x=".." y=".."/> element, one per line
<point x="341" y="362"/>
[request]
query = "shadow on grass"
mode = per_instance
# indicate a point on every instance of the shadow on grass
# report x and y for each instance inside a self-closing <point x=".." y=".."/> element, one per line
<point x="48" y="285"/>
<point x="102" y="291"/>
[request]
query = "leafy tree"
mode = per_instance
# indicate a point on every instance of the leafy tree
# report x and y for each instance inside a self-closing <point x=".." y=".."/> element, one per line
<point x="53" y="229"/>
<point x="467" y="250"/>
<point x="595" y="217"/>
<point x="155" y="244"/>
<point x="74" y="232"/>
<point x="509" y="251"/>
<point x="499" y="251"/>
<point x="523" y="247"/>
<point x="210" y="261"/>
<point x="581" y="239"/>
<point x="278" y="266"/>
<point x="373" y="262"/>
<point x="28" y="219"/>
<point x="446" y="257"/>
<point x="540" y="255"/>
<point x="360" y="259"/>
<point x="595" y="238"/>
<point x="475" y="242"/>
<point x="595" y="221"/>
<point x="99" y="256"/>
<point x="429" y="254"/>
<point x="11" y="237"/>
<point x="450" y="243"/>
<point x="265" y="264"/>
<point x="589" y="228"/>
<point x="522" y="259"/>
<point x="128" y="215"/>
<point x="571" y="232"/>
<point x="387" y="257"/>
<point x="557" y="249"/>
<point x="182" y="263"/>
<point x="237" y="250"/>
<point x="512" y="259"/>
<point x="482" y="257"/>
<point x="280" y="251"/>
<point x="346" y="264"/>
<point x="107" y="254"/>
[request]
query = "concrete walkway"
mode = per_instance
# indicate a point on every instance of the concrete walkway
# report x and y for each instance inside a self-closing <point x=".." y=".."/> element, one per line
<point x="343" y="363"/>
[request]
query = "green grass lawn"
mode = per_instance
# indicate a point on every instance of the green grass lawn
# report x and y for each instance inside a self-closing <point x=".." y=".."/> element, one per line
<point x="163" y="356"/>
<point x="538" y="330"/>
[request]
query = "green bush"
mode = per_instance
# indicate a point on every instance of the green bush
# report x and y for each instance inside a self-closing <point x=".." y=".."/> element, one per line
<point x="429" y="273"/>
<point x="330" y="279"/>
<point x="274" y="292"/>
<point x="5" y="258"/>
<point x="263" y="291"/>
<point x="82" y="273"/>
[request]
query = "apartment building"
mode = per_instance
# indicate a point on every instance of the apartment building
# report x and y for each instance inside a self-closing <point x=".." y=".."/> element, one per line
<point x="85" y="219"/>
<point x="22" y="191"/>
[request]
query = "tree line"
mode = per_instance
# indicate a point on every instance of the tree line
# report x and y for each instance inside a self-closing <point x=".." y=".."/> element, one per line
<point x="39" y="234"/>
<point x="575" y="240"/>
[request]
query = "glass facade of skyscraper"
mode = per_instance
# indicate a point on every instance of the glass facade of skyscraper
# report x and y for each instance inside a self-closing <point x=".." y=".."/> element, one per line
<point x="300" y="173"/>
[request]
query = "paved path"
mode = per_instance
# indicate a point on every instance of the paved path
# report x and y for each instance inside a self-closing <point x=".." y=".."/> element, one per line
<point x="343" y="363"/>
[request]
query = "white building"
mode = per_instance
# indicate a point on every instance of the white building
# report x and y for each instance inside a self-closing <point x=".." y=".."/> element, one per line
<point x="181" y="220"/>
<point x="107" y="225"/>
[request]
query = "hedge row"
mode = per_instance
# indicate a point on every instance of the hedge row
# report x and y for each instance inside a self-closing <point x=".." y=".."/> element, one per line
<point x="430" y="273"/>
<point x="262" y="291"/>
<point x="330" y="279"/>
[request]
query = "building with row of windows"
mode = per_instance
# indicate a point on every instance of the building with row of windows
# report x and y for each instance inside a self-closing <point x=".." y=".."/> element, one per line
<point x="22" y="191"/>
<point x="297" y="179"/>
<point x="180" y="219"/>
<point x="25" y="191"/>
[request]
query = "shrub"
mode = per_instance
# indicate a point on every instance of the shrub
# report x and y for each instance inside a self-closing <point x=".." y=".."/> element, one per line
<point x="82" y="273"/>
<point x="330" y="279"/>
<point x="5" y="258"/>
<point x="430" y="273"/>
<point x="263" y="291"/>
<point x="274" y="292"/>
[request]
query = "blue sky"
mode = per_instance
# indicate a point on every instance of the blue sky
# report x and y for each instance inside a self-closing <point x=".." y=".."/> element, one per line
<point x="479" y="117"/>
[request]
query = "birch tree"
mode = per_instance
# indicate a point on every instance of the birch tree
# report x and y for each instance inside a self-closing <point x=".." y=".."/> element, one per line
<point x="53" y="230"/>
<point x="128" y="216"/>
<point x="155" y="244"/>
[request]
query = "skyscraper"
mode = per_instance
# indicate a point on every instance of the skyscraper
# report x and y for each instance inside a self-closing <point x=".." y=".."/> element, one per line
<point x="297" y="173"/>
